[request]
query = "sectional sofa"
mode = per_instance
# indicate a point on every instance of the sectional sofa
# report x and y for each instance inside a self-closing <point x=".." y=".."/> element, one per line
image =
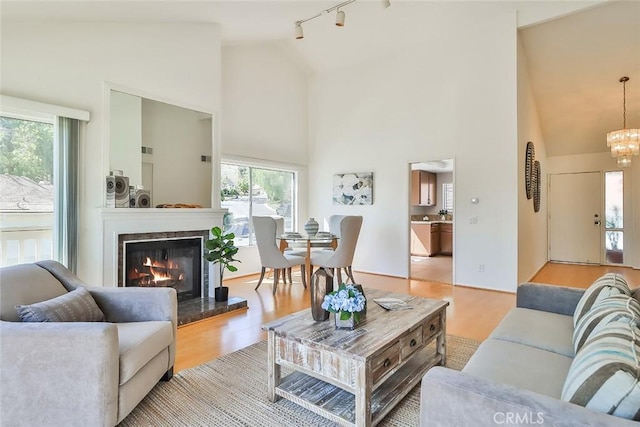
<point x="528" y="371"/>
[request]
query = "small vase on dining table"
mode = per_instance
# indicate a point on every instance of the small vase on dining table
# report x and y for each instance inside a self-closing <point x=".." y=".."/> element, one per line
<point x="311" y="227"/>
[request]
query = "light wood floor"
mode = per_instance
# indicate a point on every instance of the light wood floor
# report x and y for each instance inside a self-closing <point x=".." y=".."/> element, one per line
<point x="438" y="268"/>
<point x="472" y="313"/>
<point x="581" y="276"/>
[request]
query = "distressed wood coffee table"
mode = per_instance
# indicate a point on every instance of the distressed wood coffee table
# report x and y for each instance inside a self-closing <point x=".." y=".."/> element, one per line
<point x="355" y="377"/>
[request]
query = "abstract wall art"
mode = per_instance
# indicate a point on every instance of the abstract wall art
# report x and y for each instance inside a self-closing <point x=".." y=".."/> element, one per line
<point x="353" y="188"/>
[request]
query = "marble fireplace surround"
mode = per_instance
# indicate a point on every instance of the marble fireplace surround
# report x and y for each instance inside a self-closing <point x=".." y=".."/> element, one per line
<point x="153" y="220"/>
<point x="126" y="221"/>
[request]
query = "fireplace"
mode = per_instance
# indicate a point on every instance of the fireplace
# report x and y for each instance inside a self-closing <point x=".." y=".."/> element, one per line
<point x="173" y="259"/>
<point x="175" y="263"/>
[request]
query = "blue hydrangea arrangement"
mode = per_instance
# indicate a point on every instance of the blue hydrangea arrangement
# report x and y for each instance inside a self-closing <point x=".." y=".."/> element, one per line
<point x="347" y="301"/>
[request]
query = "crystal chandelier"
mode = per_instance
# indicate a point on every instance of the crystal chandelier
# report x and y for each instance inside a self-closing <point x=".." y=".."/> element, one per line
<point x="625" y="142"/>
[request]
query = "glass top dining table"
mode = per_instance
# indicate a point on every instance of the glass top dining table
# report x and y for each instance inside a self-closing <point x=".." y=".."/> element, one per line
<point x="332" y="240"/>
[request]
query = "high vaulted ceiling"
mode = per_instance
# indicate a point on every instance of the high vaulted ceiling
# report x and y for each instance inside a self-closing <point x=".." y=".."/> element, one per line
<point x="574" y="65"/>
<point x="574" y="62"/>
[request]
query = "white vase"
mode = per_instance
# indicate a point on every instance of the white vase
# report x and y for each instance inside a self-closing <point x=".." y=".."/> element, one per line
<point x="311" y="227"/>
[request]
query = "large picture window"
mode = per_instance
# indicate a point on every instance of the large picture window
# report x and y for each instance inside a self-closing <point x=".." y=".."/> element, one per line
<point x="248" y="190"/>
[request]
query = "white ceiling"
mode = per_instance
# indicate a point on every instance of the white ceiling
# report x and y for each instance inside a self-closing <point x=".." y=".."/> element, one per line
<point x="574" y="61"/>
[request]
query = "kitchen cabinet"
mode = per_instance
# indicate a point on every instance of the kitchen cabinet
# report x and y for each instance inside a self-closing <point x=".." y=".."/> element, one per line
<point x="446" y="239"/>
<point x="425" y="239"/>
<point x="423" y="188"/>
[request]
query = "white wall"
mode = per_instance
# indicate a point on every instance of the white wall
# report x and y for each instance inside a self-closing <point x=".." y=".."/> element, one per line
<point x="532" y="226"/>
<point x="67" y="64"/>
<point x="604" y="162"/>
<point x="452" y="98"/>
<point x="179" y="137"/>
<point x="265" y="104"/>
<point x="125" y="134"/>
<point x="264" y="116"/>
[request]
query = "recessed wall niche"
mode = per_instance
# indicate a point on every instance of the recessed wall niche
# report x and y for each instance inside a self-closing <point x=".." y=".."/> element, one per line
<point x="162" y="147"/>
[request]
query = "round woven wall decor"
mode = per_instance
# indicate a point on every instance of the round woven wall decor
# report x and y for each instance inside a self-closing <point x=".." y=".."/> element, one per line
<point x="536" y="179"/>
<point x="529" y="157"/>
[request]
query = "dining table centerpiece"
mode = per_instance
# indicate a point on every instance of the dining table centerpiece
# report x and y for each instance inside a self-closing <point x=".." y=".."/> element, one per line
<point x="348" y="304"/>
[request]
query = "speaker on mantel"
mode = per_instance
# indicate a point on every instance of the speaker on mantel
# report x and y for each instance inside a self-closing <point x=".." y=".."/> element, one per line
<point x="111" y="192"/>
<point x="122" y="191"/>
<point x="143" y="199"/>
<point x="139" y="198"/>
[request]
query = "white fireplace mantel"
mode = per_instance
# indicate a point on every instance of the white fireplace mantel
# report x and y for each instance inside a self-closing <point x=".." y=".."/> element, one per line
<point x="125" y="221"/>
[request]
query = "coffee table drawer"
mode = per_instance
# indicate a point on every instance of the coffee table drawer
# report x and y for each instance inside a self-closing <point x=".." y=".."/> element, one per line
<point x="430" y="328"/>
<point x="410" y="342"/>
<point x="385" y="361"/>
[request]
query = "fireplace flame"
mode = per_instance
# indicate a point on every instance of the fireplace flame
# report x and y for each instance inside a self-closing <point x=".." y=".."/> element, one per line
<point x="159" y="271"/>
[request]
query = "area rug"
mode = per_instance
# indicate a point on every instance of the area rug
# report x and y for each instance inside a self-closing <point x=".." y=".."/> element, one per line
<point x="232" y="391"/>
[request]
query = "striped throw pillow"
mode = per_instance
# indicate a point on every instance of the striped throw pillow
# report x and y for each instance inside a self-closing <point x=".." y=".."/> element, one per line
<point x="610" y="309"/>
<point x="608" y="285"/>
<point x="604" y="374"/>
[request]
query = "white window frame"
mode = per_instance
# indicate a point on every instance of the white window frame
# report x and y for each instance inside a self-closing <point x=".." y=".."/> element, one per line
<point x="447" y="196"/>
<point x="276" y="166"/>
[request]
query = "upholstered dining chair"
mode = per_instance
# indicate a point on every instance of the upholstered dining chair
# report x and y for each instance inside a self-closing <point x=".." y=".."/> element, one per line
<point x="270" y="256"/>
<point x="342" y="257"/>
<point x="289" y="250"/>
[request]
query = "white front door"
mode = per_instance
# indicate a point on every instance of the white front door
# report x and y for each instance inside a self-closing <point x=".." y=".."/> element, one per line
<point x="575" y="218"/>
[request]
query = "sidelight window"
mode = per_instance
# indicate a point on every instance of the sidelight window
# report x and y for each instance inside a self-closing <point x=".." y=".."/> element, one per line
<point x="614" y="217"/>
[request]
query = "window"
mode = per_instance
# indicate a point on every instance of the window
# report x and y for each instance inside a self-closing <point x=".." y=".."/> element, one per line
<point x="447" y="196"/>
<point x="613" y="206"/>
<point x="248" y="191"/>
<point x="26" y="179"/>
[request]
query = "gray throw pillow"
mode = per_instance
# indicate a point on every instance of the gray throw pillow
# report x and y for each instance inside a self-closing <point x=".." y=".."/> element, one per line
<point x="75" y="306"/>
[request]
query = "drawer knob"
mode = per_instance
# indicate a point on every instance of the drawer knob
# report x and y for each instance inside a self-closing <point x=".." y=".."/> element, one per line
<point x="412" y="343"/>
<point x="432" y="328"/>
<point x="386" y="363"/>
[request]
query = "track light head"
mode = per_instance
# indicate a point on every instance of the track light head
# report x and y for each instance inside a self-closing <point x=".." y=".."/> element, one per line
<point x="340" y="18"/>
<point x="299" y="32"/>
<point x="386" y="3"/>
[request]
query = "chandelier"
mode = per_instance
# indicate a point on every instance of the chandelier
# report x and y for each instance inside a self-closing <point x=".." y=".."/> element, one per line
<point x="625" y="142"/>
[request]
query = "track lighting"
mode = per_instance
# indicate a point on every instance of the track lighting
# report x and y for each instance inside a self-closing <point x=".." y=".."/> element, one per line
<point x="340" y="18"/>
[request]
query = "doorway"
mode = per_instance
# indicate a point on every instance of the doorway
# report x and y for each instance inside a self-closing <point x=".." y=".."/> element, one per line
<point x="431" y="207"/>
<point x="575" y="219"/>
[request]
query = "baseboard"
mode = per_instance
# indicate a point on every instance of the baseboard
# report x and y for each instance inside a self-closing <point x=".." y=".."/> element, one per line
<point x="538" y="271"/>
<point x="502" y="291"/>
<point x="380" y="274"/>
